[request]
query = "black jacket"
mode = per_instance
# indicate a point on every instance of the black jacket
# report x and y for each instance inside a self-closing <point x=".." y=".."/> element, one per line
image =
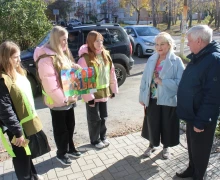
<point x="198" y="96"/>
<point x="8" y="117"/>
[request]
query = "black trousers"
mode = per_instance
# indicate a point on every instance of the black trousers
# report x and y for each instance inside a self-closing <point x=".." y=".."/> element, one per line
<point x="63" y="123"/>
<point x="161" y="124"/>
<point x="23" y="165"/>
<point x="199" y="149"/>
<point x="96" y="117"/>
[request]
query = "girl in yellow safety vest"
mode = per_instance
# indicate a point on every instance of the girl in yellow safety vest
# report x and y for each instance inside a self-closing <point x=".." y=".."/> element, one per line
<point x="18" y="117"/>
<point x="93" y="54"/>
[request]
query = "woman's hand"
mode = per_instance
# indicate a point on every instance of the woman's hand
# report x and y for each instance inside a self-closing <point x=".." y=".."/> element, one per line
<point x="197" y="130"/>
<point x="158" y="81"/>
<point x="112" y="95"/>
<point x="91" y="103"/>
<point x="76" y="66"/>
<point x="142" y="103"/>
<point x="19" y="141"/>
<point x="72" y="99"/>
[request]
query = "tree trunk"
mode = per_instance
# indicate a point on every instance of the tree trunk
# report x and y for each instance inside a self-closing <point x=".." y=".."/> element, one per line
<point x="199" y="17"/>
<point x="218" y="14"/>
<point x="138" y="16"/>
<point x="154" y="14"/>
<point x="169" y="15"/>
<point x="172" y="12"/>
<point x="211" y="20"/>
<point x="218" y="19"/>
<point x="190" y="13"/>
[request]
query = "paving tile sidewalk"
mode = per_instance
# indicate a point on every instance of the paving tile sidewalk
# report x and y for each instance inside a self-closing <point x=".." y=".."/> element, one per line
<point x="122" y="160"/>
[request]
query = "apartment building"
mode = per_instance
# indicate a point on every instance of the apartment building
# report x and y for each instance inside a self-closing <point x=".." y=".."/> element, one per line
<point x="110" y="11"/>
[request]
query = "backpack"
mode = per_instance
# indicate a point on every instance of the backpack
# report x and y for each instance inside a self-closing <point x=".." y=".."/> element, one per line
<point x="88" y="62"/>
<point x="36" y="64"/>
<point x="38" y="77"/>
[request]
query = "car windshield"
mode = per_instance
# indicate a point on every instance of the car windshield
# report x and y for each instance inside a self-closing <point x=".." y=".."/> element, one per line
<point x="147" y="31"/>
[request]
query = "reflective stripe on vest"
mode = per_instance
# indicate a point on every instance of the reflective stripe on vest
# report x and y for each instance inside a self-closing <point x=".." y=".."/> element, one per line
<point x="6" y="145"/>
<point x="30" y="116"/>
<point x="48" y="100"/>
<point x="100" y="84"/>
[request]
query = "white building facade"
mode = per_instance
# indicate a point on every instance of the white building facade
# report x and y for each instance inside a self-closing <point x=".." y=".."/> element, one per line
<point x="108" y="11"/>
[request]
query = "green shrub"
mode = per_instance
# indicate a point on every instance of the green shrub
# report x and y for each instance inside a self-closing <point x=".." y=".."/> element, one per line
<point x="184" y="58"/>
<point x="23" y="21"/>
<point x="217" y="131"/>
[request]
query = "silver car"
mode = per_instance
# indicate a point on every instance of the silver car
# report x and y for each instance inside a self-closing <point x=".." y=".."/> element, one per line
<point x="75" y="22"/>
<point x="144" y="37"/>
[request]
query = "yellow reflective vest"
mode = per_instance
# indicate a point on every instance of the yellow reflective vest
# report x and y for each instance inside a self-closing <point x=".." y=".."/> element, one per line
<point x="102" y="75"/>
<point x="29" y="120"/>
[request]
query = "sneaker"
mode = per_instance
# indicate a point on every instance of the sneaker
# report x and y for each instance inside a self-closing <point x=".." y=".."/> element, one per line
<point x="106" y="142"/>
<point x="74" y="154"/>
<point x="166" y="153"/>
<point x="149" y="151"/>
<point x="65" y="160"/>
<point x="100" y="145"/>
<point x="38" y="177"/>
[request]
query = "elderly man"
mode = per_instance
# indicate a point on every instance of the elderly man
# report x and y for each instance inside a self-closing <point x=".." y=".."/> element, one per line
<point x="199" y="99"/>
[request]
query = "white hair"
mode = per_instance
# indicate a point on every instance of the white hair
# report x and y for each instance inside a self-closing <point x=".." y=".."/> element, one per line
<point x="201" y="31"/>
<point x="166" y="38"/>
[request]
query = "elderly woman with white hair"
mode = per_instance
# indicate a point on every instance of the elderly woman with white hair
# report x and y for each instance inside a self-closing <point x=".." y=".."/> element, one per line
<point x="158" y="95"/>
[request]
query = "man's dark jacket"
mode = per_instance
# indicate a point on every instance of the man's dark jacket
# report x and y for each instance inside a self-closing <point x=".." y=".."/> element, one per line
<point x="198" y="96"/>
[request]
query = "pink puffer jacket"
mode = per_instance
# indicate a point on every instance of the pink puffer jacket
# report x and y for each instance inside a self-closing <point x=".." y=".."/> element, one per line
<point x="113" y="80"/>
<point x="49" y="77"/>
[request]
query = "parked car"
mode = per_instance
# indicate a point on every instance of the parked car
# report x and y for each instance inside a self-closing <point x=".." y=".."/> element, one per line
<point x="144" y="37"/>
<point x="74" y="22"/>
<point x="115" y="40"/>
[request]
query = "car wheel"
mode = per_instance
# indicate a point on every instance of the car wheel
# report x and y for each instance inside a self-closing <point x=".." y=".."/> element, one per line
<point x="120" y="72"/>
<point x="34" y="85"/>
<point x="139" y="51"/>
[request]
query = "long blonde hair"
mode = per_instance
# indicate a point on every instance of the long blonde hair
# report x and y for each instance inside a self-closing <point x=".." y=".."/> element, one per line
<point x="63" y="59"/>
<point x="7" y="49"/>
<point x="91" y="38"/>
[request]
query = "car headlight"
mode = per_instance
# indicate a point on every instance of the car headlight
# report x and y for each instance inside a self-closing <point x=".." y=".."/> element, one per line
<point x="149" y="43"/>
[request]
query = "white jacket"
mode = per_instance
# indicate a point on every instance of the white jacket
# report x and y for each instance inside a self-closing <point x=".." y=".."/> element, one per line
<point x="170" y="74"/>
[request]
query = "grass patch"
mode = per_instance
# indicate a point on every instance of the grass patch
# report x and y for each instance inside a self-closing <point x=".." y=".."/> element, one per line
<point x="183" y="57"/>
